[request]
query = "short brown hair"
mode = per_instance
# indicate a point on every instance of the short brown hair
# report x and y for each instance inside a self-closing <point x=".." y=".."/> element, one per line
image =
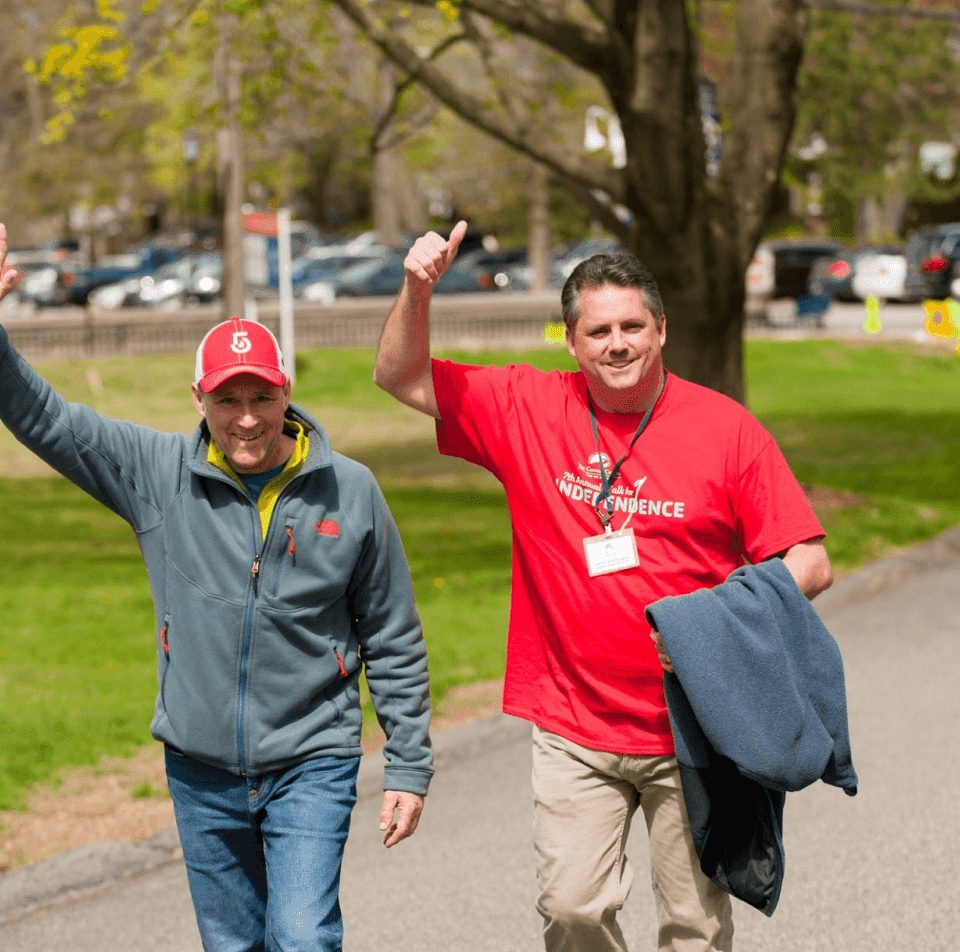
<point x="620" y="269"/>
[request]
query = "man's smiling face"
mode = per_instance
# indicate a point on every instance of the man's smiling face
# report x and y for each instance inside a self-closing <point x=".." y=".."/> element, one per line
<point x="617" y="342"/>
<point x="245" y="416"/>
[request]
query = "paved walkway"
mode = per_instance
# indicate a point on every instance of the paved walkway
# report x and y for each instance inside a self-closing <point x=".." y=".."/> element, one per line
<point x="877" y="873"/>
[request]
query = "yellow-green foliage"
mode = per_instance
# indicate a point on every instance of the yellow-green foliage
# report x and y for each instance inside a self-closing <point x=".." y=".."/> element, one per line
<point x="450" y="9"/>
<point x="96" y="51"/>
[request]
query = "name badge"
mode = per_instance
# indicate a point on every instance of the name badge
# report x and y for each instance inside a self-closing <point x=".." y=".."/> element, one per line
<point x="611" y="552"/>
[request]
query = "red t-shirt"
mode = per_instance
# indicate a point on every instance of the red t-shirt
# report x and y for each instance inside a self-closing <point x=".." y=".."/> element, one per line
<point x="705" y="489"/>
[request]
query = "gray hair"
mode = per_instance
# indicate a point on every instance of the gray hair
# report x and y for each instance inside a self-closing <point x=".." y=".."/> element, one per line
<point x="620" y="269"/>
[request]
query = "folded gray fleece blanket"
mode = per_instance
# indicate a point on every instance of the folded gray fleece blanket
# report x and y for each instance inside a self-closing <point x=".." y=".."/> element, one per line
<point x="758" y="708"/>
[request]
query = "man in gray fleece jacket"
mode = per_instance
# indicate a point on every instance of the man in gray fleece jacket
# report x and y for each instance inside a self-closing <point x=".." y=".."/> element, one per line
<point x="277" y="574"/>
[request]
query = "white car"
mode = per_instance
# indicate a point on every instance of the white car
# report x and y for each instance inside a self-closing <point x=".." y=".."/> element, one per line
<point x="881" y="274"/>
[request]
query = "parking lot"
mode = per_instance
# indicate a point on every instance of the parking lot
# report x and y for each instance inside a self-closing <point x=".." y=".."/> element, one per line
<point x="897" y="322"/>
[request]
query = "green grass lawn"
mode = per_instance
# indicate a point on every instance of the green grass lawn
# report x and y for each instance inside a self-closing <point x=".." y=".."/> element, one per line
<point x="871" y="429"/>
<point x="878" y="425"/>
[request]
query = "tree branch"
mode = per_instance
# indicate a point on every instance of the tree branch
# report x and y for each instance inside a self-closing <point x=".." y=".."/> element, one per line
<point x="601" y="209"/>
<point x="770" y="37"/>
<point x="603" y="10"/>
<point x="514" y="133"/>
<point x="472" y="26"/>
<point x="583" y="43"/>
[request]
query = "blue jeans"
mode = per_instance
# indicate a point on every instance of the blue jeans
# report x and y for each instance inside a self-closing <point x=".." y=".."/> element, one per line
<point x="263" y="854"/>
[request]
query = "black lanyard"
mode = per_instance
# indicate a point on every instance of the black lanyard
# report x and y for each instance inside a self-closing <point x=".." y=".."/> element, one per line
<point x="607" y="482"/>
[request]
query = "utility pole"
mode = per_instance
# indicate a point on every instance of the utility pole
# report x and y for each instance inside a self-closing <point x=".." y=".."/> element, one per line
<point x="230" y="178"/>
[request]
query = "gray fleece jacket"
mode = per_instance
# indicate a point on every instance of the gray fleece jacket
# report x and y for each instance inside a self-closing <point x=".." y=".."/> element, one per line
<point x="257" y="669"/>
<point x="758" y="708"/>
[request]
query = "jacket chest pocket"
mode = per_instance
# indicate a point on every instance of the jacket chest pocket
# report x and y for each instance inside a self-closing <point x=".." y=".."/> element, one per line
<point x="308" y="569"/>
<point x="211" y="548"/>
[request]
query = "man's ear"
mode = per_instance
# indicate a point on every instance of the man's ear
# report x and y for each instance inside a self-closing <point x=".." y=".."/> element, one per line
<point x="286" y="393"/>
<point x="198" y="399"/>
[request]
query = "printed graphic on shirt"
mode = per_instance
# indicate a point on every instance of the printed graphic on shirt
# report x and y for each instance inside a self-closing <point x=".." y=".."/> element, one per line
<point x="584" y="486"/>
<point x="592" y="468"/>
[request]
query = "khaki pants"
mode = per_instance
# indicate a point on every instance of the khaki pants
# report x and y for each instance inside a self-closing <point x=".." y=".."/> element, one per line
<point x="584" y="801"/>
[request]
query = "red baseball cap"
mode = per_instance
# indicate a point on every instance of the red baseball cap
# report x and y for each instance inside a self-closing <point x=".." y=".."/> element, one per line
<point x="238" y="347"/>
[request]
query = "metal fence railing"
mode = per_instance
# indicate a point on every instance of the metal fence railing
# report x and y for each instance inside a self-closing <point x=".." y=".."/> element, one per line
<point x="469" y="322"/>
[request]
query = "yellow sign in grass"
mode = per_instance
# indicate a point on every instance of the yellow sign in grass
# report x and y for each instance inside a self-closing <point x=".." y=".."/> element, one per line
<point x="940" y="318"/>
<point x="554" y="332"/>
<point x="943" y="319"/>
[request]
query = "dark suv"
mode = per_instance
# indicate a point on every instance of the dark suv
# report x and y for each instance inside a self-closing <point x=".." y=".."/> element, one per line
<point x="933" y="261"/>
<point x="778" y="280"/>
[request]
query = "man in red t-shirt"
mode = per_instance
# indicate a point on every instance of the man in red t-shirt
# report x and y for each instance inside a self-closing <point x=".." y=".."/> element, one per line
<point x="625" y="484"/>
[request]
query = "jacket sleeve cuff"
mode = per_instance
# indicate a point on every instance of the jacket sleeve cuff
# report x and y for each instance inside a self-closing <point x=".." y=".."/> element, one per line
<point x="410" y="780"/>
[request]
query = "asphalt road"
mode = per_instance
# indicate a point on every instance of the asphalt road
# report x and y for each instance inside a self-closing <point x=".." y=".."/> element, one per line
<point x="847" y="319"/>
<point x="876" y="873"/>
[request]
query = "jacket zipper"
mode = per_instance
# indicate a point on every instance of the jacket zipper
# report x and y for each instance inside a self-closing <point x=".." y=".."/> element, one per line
<point x="289" y="551"/>
<point x="259" y="545"/>
<point x="165" y="645"/>
<point x="245" y="645"/>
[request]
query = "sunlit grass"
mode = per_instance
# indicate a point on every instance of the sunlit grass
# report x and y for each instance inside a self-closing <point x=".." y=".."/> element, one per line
<point x="871" y="430"/>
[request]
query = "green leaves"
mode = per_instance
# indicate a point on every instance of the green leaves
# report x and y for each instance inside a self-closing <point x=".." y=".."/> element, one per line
<point x="874" y="86"/>
<point x="242" y="8"/>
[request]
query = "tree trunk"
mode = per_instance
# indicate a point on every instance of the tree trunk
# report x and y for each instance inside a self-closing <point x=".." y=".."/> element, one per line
<point x="703" y="292"/>
<point x="879" y="218"/>
<point x="383" y="201"/>
<point x="230" y="178"/>
<point x="697" y="234"/>
<point x="411" y="205"/>
<point x="386" y="219"/>
<point x="538" y="218"/>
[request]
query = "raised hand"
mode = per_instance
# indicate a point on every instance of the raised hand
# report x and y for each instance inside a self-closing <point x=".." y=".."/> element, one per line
<point x="431" y="255"/>
<point x="9" y="276"/>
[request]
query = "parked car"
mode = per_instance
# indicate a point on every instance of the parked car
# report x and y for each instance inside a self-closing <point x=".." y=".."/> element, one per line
<point x="492" y="268"/>
<point x="74" y="281"/>
<point x="872" y="271"/>
<point x="312" y="272"/>
<point x="519" y="277"/>
<point x="933" y="261"/>
<point x="383" y="276"/>
<point x="882" y="272"/>
<point x="39" y="269"/>
<point x="41" y="287"/>
<point x="575" y="252"/>
<point x="778" y="280"/>
<point x="191" y="279"/>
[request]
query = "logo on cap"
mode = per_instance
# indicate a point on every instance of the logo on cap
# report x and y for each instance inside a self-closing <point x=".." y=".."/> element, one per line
<point x="241" y="342"/>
